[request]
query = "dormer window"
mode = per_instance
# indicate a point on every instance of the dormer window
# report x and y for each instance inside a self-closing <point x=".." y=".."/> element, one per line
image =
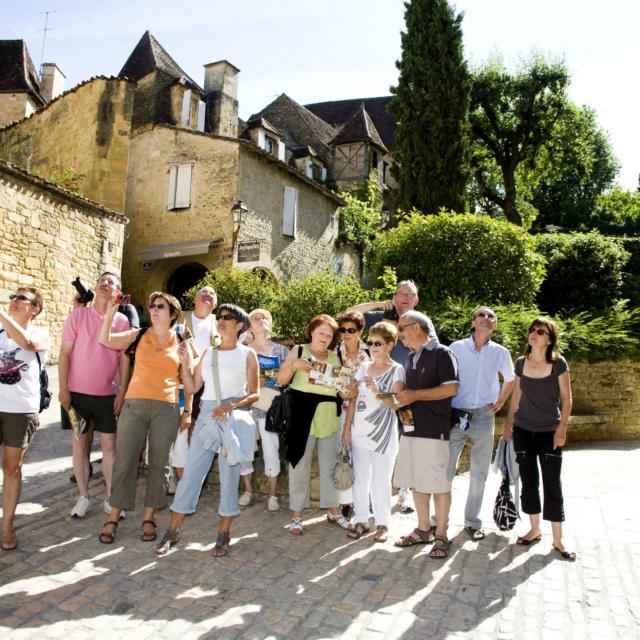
<point x="270" y="145"/>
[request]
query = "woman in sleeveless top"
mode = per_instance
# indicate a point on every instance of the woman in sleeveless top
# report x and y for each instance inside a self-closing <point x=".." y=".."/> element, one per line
<point x="225" y="426"/>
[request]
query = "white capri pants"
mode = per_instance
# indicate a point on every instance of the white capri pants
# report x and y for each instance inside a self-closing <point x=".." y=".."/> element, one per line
<point x="270" y="452"/>
<point x="180" y="449"/>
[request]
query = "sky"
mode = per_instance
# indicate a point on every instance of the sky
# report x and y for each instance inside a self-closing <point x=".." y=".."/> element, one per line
<point x="338" y="49"/>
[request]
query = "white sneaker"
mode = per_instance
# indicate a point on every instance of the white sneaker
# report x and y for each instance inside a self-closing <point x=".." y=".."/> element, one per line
<point x="245" y="499"/>
<point x="107" y="509"/>
<point x="273" y="504"/>
<point x="82" y="506"/>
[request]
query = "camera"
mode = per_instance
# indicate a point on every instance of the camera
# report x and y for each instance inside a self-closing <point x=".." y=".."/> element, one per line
<point x="123" y="298"/>
<point x="85" y="295"/>
<point x="391" y="314"/>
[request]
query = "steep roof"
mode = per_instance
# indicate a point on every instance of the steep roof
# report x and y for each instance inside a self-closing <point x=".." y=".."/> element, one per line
<point x="299" y="126"/>
<point x="337" y="112"/>
<point x="359" y="128"/>
<point x="17" y="72"/>
<point x="149" y="55"/>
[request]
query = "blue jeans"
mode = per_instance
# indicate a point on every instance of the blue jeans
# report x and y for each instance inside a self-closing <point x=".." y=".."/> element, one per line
<point x="199" y="461"/>
<point x="480" y="432"/>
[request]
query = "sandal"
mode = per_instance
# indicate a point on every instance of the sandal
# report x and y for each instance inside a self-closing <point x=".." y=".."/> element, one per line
<point x="381" y="533"/>
<point x="339" y="520"/>
<point x="105" y="537"/>
<point x="221" y="547"/>
<point x="149" y="537"/>
<point x="567" y="555"/>
<point x="440" y="548"/>
<point x="475" y="534"/>
<point x="295" y="528"/>
<point x="170" y="537"/>
<point x="526" y="542"/>
<point x="357" y="531"/>
<point x="424" y="537"/>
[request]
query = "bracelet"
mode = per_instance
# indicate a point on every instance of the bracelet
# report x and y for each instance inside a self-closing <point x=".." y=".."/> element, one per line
<point x="186" y="411"/>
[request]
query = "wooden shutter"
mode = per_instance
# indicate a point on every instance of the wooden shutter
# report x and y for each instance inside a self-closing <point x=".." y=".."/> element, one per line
<point x="185" y="116"/>
<point x="183" y="187"/>
<point x="290" y="212"/>
<point x="202" y="110"/>
<point x="171" y="196"/>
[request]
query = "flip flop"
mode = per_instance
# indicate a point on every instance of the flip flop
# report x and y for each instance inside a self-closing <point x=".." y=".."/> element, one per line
<point x="525" y="542"/>
<point x="567" y="555"/>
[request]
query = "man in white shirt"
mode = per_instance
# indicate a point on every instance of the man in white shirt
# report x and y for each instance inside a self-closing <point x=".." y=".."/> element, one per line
<point x="480" y="360"/>
<point x="202" y="324"/>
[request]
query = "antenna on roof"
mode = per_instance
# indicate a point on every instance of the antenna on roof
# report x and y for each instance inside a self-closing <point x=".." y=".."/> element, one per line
<point x="44" y="36"/>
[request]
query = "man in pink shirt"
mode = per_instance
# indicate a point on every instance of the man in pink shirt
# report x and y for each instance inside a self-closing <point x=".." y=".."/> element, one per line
<point x="87" y="373"/>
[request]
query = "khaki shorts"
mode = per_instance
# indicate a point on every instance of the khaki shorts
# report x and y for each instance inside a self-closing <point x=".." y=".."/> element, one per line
<point x="422" y="465"/>
<point x="17" y="429"/>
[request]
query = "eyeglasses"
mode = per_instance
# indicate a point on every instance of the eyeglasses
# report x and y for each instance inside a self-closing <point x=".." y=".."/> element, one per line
<point x="350" y="330"/>
<point x="159" y="306"/>
<point x="374" y="343"/>
<point x="21" y="297"/>
<point x="404" y="326"/>
<point x="540" y="332"/>
<point x="484" y="314"/>
<point x="227" y="316"/>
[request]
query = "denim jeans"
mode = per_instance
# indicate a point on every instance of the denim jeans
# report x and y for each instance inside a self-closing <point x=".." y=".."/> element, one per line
<point x="480" y="432"/>
<point x="199" y="461"/>
<point x="532" y="448"/>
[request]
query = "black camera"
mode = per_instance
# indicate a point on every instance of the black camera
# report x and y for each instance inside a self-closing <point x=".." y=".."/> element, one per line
<point x="85" y="295"/>
<point x="391" y="314"/>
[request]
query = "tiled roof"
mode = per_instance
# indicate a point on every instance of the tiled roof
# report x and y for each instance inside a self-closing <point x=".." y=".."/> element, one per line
<point x="77" y="198"/>
<point x="359" y="128"/>
<point x="337" y="112"/>
<point x="17" y="72"/>
<point x="149" y="55"/>
<point x="299" y="126"/>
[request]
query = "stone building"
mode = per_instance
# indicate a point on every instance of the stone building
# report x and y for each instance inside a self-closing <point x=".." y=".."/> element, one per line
<point x="50" y="236"/>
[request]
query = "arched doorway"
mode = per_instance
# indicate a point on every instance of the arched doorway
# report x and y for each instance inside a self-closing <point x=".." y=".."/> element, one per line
<point x="185" y="277"/>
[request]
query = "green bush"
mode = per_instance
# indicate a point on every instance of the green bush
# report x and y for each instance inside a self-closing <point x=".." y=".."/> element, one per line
<point x="300" y="300"/>
<point x="248" y="289"/>
<point x="462" y="255"/>
<point x="584" y="271"/>
<point x="631" y="273"/>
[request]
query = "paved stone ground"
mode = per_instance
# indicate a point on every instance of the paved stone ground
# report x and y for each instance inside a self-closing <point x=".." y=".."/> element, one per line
<point x="61" y="582"/>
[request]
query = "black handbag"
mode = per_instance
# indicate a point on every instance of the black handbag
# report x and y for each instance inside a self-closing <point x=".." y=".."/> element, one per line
<point x="504" y="509"/>
<point x="279" y="413"/>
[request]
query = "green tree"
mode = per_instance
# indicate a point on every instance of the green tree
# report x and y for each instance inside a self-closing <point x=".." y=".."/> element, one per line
<point x="430" y="105"/>
<point x="617" y="213"/>
<point x="584" y="168"/>
<point x="512" y="118"/>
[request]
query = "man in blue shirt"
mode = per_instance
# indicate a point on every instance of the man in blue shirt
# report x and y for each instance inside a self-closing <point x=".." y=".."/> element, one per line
<point x="480" y="360"/>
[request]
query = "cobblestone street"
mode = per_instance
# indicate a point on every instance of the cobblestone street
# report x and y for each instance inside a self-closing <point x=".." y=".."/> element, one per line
<point x="61" y="582"/>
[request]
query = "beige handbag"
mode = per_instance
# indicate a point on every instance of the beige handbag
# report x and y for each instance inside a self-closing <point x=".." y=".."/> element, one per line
<point x="267" y="394"/>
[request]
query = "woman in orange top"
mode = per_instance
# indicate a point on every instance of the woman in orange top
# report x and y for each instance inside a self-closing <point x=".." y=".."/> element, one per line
<point x="150" y="410"/>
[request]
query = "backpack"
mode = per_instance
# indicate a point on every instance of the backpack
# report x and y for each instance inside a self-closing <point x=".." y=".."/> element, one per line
<point x="45" y="394"/>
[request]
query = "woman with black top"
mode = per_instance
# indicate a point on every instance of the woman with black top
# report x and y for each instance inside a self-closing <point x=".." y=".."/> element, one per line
<point x="537" y="420"/>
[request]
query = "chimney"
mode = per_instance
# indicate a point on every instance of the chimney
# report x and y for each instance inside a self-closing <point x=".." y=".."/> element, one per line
<point x="221" y="98"/>
<point x="52" y="81"/>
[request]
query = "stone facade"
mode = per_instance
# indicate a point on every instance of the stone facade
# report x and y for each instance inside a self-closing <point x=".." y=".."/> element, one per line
<point x="87" y="129"/>
<point x="261" y="186"/>
<point x="15" y="106"/>
<point x="50" y="236"/>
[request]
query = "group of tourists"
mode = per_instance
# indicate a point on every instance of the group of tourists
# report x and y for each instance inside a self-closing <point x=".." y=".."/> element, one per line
<point x="403" y="406"/>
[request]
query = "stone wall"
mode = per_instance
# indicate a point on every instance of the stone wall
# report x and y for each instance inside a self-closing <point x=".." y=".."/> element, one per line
<point x="213" y="191"/>
<point x="15" y="106"/>
<point x="87" y="129"/>
<point x="49" y="237"/>
<point x="261" y="186"/>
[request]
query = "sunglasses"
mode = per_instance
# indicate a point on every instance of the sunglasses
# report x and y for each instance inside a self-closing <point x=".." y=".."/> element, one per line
<point x="158" y="305"/>
<point x="227" y="316"/>
<point x="540" y="332"/>
<point x="374" y="343"/>
<point x="484" y="314"/>
<point x="350" y="330"/>
<point x="21" y="297"/>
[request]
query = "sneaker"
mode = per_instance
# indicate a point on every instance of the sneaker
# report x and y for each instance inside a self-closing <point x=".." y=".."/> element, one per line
<point x="82" y="506"/>
<point x="404" y="497"/>
<point x="245" y="499"/>
<point x="273" y="504"/>
<point x="106" y="507"/>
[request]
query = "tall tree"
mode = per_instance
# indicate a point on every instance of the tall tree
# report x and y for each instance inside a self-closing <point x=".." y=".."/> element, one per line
<point x="512" y="118"/>
<point x="431" y="105"/>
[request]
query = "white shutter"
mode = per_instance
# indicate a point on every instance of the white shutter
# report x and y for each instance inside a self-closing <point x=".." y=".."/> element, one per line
<point x="261" y="139"/>
<point x="309" y="169"/>
<point x="171" y="196"/>
<point x="183" y="187"/>
<point x="185" y="117"/>
<point x="324" y="174"/>
<point x="202" y="110"/>
<point x="290" y="212"/>
<point x="281" y="150"/>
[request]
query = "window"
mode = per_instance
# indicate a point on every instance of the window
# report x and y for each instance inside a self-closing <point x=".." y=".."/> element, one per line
<point x="290" y="212"/>
<point x="374" y="159"/>
<point x="179" y="196"/>
<point x="269" y="145"/>
<point x="318" y="172"/>
<point x="185" y="112"/>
